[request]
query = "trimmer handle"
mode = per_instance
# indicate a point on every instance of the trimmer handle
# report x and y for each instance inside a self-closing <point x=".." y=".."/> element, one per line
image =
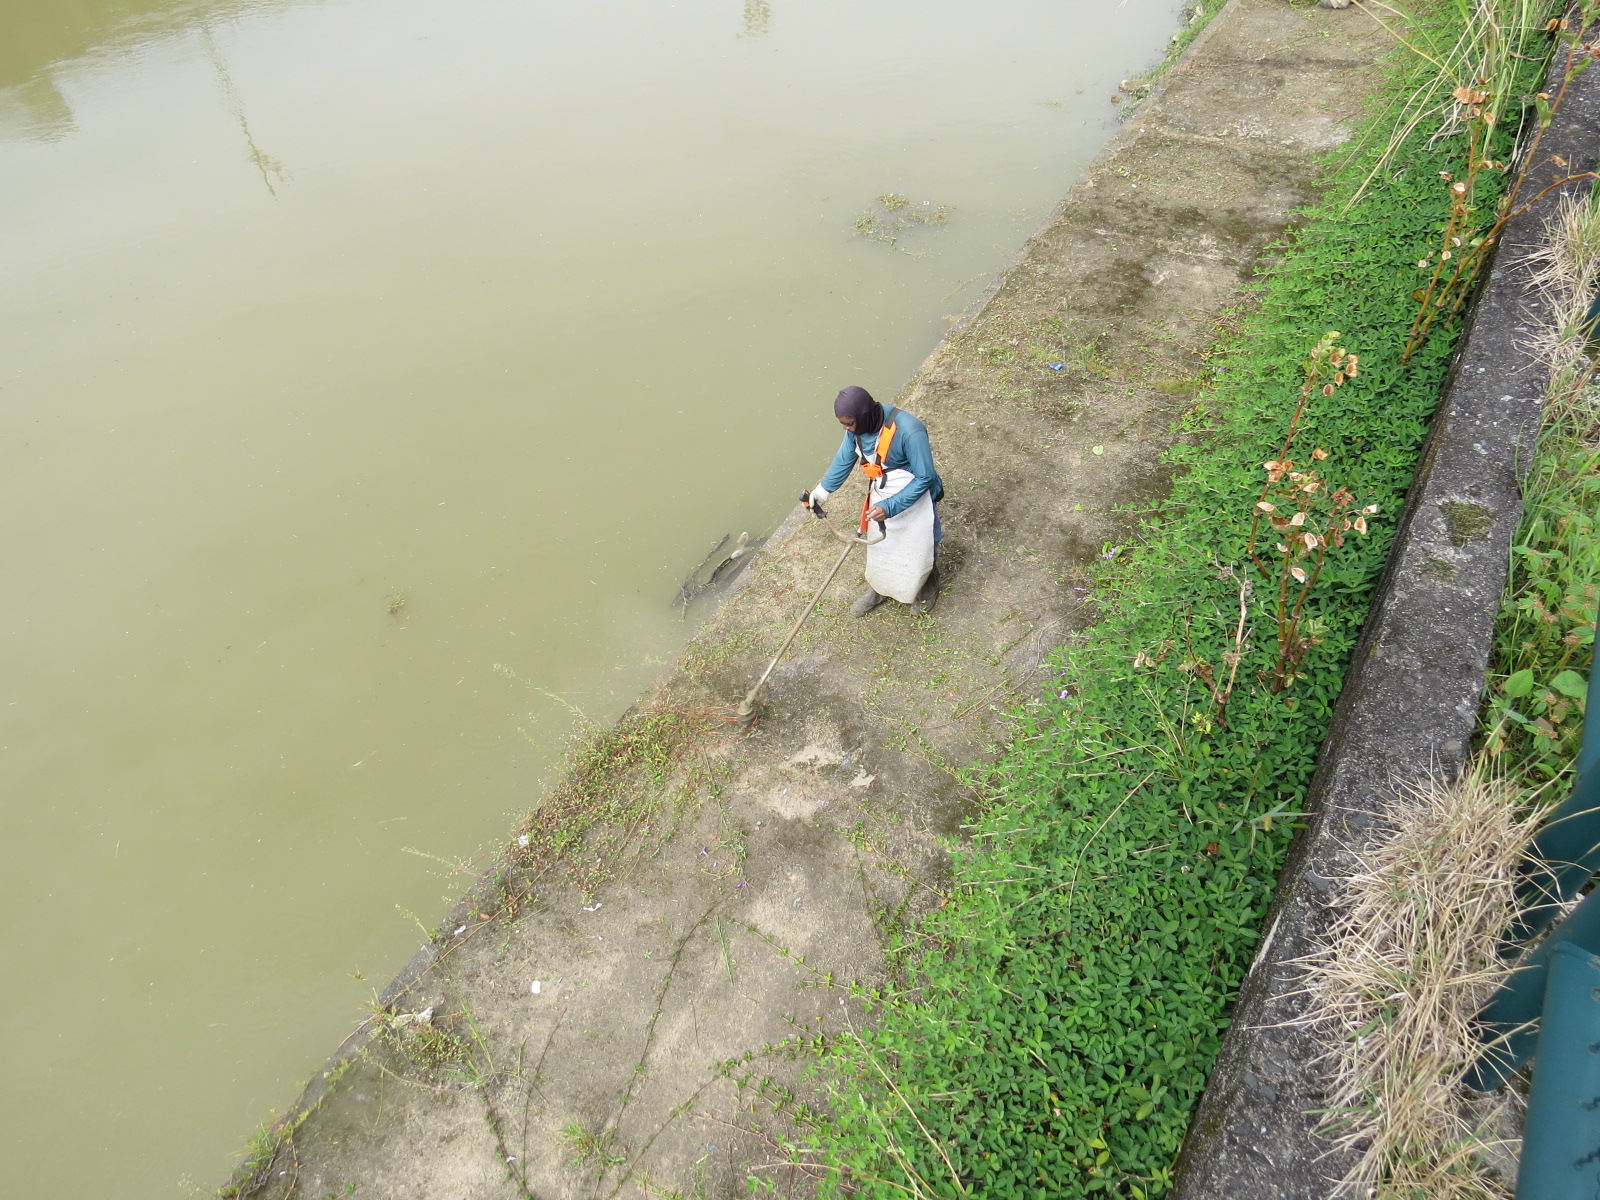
<point x="814" y="505"/>
<point x="861" y="535"/>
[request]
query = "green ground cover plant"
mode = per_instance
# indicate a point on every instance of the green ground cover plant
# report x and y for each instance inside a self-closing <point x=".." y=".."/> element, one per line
<point x="1053" y="1026"/>
<point x="1544" y="640"/>
<point x="1544" y="635"/>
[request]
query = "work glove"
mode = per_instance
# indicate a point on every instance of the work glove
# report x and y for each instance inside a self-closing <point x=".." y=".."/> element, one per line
<point x="817" y="495"/>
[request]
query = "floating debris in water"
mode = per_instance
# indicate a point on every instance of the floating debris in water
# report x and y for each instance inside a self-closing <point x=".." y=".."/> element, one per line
<point x="718" y="568"/>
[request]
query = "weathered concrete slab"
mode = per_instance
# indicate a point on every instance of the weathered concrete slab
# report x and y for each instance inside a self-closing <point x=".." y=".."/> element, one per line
<point x="819" y="831"/>
<point x="1409" y="705"/>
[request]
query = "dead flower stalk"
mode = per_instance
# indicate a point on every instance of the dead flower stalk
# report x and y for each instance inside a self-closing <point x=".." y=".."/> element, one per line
<point x="1308" y="516"/>
<point x="1478" y="106"/>
<point x="1221" y="693"/>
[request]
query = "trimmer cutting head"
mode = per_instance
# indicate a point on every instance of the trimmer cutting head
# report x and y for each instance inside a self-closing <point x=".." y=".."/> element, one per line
<point x="745" y="714"/>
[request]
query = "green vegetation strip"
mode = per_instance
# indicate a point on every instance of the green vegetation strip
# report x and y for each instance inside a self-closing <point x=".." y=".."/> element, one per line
<point x="1054" y="1025"/>
<point x="1544" y="635"/>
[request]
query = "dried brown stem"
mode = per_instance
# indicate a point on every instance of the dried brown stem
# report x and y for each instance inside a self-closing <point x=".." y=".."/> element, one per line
<point x="1450" y="298"/>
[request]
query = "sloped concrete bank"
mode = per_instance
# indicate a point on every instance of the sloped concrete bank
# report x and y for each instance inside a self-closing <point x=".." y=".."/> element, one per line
<point x="633" y="1014"/>
<point x="1410" y="702"/>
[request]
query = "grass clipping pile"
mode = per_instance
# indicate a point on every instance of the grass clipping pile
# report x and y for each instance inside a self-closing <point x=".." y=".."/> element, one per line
<point x="1396" y="985"/>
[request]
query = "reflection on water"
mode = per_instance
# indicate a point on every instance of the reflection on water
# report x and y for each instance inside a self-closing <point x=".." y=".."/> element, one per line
<point x="553" y="298"/>
<point x="40" y="35"/>
<point x="37" y="36"/>
<point x="271" y="169"/>
<point x="35" y="109"/>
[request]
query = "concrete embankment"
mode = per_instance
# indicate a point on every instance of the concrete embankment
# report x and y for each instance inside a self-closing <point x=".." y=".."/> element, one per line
<point x="634" y="1016"/>
<point x="1409" y="708"/>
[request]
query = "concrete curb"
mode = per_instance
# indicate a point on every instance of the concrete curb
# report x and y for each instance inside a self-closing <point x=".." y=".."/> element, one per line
<point x="1410" y="703"/>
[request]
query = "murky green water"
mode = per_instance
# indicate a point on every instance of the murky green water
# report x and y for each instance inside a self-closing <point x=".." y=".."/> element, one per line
<point x="348" y="349"/>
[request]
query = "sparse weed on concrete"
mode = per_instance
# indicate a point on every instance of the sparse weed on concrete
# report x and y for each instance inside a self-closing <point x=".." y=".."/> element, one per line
<point x="432" y="1049"/>
<point x="618" y="783"/>
<point x="591" y="1149"/>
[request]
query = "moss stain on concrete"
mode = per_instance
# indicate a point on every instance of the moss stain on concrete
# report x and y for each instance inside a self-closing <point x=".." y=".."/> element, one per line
<point x="1465" y="522"/>
<point x="1441" y="569"/>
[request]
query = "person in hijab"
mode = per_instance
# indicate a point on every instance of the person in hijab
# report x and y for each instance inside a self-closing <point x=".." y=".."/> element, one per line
<point x="891" y="447"/>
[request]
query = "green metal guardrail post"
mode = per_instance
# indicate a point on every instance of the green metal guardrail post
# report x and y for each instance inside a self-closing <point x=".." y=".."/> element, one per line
<point x="1508" y="1018"/>
<point x="1566" y="851"/>
<point x="1561" y="1142"/>
<point x="1564" y="856"/>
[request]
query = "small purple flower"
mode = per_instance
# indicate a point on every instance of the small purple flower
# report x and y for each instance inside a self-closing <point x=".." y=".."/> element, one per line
<point x="1064" y="694"/>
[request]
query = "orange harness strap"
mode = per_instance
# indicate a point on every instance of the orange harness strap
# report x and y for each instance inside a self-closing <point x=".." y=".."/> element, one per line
<point x="874" y="471"/>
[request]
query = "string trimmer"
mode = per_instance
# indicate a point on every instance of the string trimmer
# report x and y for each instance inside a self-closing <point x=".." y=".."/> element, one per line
<point x="746" y="711"/>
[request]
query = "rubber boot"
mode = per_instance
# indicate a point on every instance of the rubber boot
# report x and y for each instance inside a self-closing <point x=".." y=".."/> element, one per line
<point x="865" y="603"/>
<point x="928" y="596"/>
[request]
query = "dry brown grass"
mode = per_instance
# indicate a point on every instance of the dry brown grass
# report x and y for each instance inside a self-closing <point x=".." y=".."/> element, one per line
<point x="1566" y="270"/>
<point x="1396" y="983"/>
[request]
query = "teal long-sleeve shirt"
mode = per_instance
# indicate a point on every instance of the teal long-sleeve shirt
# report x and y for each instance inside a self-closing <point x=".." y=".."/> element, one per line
<point x="909" y="451"/>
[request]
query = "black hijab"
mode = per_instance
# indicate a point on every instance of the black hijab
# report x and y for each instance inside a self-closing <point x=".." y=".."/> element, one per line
<point x="857" y="403"/>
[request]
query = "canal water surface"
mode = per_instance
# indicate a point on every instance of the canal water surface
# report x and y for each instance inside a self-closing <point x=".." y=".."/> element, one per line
<point x="364" y="363"/>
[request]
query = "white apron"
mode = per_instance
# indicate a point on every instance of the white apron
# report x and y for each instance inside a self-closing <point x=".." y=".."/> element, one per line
<point x="898" y="565"/>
